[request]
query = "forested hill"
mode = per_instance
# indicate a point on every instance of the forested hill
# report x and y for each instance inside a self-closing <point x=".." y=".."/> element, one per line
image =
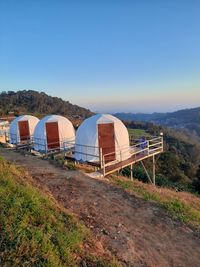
<point x="36" y="102"/>
<point x="187" y="118"/>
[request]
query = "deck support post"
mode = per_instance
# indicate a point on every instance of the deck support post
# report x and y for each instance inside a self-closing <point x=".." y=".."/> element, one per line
<point x="131" y="172"/>
<point x="154" y="170"/>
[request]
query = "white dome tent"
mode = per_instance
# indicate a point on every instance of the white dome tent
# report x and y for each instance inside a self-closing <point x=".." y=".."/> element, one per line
<point x="22" y="128"/>
<point x="102" y="132"/>
<point x="53" y="132"/>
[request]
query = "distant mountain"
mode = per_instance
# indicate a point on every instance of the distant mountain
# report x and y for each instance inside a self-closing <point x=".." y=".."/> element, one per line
<point x="35" y="102"/>
<point x="139" y="116"/>
<point x="188" y="119"/>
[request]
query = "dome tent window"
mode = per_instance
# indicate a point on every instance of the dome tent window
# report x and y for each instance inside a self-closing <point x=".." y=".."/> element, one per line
<point x="102" y="135"/>
<point x="22" y="128"/>
<point x="53" y="132"/>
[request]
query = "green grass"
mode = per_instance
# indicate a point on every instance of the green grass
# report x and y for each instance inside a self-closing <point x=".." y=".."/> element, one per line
<point x="35" y="231"/>
<point x="138" y="133"/>
<point x="59" y="160"/>
<point x="173" y="202"/>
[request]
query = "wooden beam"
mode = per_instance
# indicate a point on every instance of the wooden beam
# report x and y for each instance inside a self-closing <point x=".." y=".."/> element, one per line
<point x="149" y="178"/>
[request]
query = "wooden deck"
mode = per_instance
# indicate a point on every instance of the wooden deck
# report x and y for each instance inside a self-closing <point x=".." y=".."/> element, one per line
<point x="133" y="159"/>
<point x="138" y="152"/>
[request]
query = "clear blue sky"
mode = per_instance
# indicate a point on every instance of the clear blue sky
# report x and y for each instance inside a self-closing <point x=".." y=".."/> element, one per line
<point x="108" y="55"/>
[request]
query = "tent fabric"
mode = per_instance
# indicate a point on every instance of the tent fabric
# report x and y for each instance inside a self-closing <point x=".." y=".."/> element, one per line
<point x="86" y="143"/>
<point x="14" y="129"/>
<point x="65" y="128"/>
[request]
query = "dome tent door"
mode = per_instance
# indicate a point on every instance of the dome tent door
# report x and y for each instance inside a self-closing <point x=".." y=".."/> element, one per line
<point x="106" y="137"/>
<point x="24" y="132"/>
<point x="52" y="134"/>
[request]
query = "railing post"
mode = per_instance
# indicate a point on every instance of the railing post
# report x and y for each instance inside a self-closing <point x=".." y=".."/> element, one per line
<point x="104" y="169"/>
<point x="161" y="136"/>
<point x="101" y="157"/>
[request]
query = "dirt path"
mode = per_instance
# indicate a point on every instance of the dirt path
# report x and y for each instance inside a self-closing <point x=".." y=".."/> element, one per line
<point x="137" y="232"/>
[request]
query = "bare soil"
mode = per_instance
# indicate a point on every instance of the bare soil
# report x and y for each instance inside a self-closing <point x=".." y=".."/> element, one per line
<point x="135" y="231"/>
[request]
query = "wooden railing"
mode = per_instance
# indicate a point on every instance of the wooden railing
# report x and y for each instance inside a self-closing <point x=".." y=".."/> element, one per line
<point x="145" y="148"/>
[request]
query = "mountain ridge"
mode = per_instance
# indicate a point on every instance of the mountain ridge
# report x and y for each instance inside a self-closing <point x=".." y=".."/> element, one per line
<point x="30" y="101"/>
<point x="188" y="119"/>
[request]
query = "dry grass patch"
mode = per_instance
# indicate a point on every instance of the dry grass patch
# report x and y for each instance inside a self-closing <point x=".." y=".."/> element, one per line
<point x="182" y="206"/>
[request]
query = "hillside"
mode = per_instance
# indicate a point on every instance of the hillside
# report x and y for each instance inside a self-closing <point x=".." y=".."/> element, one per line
<point x="36" y="231"/>
<point x="40" y="103"/>
<point x="188" y="119"/>
<point x="178" y="166"/>
<point x="139" y="224"/>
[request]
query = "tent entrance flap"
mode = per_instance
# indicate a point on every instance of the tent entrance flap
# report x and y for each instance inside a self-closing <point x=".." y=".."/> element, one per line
<point x="24" y="132"/>
<point x="106" y="137"/>
<point x="52" y="134"/>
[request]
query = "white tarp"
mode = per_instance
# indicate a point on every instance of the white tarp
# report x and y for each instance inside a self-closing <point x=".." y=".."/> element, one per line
<point x="87" y="138"/>
<point x="14" y="129"/>
<point x="65" y="129"/>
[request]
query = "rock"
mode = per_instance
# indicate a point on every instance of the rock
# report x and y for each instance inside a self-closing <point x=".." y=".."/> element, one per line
<point x="104" y="232"/>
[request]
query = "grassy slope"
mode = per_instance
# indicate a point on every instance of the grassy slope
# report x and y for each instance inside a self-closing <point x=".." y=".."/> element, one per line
<point x="35" y="231"/>
<point x="182" y="206"/>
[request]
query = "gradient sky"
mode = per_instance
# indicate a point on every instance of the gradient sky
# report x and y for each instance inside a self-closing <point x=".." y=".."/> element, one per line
<point x="114" y="55"/>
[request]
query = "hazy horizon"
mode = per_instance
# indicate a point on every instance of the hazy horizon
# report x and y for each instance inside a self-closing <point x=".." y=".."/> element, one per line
<point x="134" y="56"/>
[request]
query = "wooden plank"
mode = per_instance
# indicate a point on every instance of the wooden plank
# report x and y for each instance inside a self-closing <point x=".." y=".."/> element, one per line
<point x="106" y="138"/>
<point x="24" y="132"/>
<point x="52" y="133"/>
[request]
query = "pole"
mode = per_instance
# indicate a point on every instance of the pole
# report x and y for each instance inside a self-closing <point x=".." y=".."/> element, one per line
<point x="131" y="172"/>
<point x="154" y="170"/>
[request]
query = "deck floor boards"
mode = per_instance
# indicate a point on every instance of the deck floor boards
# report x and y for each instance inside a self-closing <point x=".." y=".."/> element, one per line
<point x="133" y="159"/>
